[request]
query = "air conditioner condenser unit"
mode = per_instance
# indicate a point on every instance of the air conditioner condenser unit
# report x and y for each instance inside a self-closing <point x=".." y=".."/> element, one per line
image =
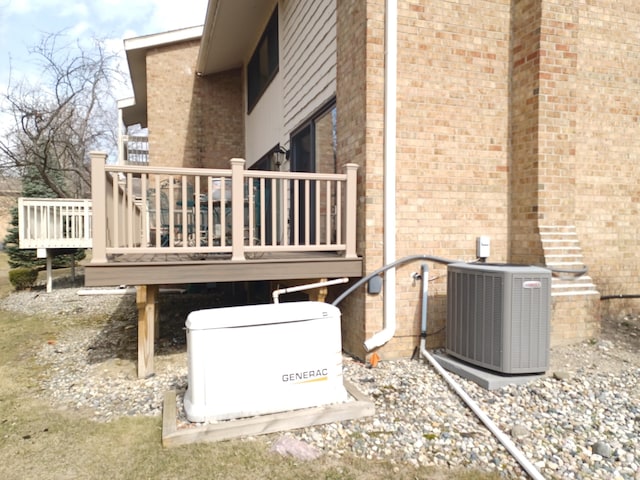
<point x="498" y="316"/>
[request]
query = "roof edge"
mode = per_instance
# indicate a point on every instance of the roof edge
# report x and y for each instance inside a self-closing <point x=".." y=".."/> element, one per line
<point x="164" y="38"/>
<point x="207" y="34"/>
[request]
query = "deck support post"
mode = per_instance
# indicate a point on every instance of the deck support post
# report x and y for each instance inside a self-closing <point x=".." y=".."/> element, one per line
<point x="146" y="301"/>
<point x="48" y="254"/>
<point x="319" y="294"/>
<point x="50" y="271"/>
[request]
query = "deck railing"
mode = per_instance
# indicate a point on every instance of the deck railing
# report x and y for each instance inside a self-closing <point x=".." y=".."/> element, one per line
<point x="240" y="213"/>
<point x="54" y="223"/>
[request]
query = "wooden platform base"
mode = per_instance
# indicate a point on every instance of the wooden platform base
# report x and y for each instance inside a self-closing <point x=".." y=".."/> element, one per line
<point x="359" y="406"/>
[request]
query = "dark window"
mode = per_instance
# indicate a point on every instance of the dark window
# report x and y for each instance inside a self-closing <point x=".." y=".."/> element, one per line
<point x="314" y="144"/>
<point x="313" y="149"/>
<point x="269" y="162"/>
<point x="263" y="65"/>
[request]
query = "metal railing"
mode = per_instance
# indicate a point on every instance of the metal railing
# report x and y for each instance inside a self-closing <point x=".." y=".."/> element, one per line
<point x="240" y="213"/>
<point x="54" y="223"/>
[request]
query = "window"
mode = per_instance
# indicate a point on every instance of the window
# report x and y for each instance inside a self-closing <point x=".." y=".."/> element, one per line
<point x="270" y="162"/>
<point x="314" y="144"/>
<point x="264" y="62"/>
<point x="313" y="149"/>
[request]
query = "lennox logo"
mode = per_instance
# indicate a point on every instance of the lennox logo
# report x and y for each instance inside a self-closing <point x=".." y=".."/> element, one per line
<point x="532" y="284"/>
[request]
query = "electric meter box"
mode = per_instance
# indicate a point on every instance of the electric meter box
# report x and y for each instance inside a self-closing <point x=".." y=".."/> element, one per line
<point x="260" y="359"/>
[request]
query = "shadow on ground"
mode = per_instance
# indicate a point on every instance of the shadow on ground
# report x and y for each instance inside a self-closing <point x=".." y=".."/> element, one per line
<point x="118" y="337"/>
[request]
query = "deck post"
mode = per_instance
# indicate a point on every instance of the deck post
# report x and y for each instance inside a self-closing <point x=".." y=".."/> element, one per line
<point x="48" y="254"/>
<point x="146" y="301"/>
<point x="98" y="201"/>
<point x="237" y="209"/>
<point x="50" y="271"/>
<point x="351" y="207"/>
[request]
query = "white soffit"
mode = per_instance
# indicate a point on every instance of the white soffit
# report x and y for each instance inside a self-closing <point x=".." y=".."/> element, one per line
<point x="231" y="30"/>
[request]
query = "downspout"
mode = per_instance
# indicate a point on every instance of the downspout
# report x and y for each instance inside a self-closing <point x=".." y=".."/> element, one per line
<point x="389" y="235"/>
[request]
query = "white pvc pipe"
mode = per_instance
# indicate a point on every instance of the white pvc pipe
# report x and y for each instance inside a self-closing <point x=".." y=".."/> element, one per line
<point x="390" y="88"/>
<point x="276" y="293"/>
<point x="107" y="291"/>
<point x="499" y="434"/>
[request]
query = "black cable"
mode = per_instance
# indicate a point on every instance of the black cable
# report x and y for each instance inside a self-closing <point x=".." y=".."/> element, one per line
<point x="401" y="261"/>
<point x="621" y="295"/>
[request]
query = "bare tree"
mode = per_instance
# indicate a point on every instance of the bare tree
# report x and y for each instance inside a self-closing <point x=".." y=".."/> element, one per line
<point x="56" y="121"/>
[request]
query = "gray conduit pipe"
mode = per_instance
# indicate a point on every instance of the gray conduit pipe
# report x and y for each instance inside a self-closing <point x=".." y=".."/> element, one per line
<point x="389" y="328"/>
<point x="499" y="434"/>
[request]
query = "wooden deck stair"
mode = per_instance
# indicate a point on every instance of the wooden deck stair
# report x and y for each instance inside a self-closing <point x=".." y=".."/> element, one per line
<point x="562" y="250"/>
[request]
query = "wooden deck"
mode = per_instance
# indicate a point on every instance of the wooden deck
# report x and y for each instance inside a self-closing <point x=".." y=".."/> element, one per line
<point x="151" y="226"/>
<point x="175" y="268"/>
<point x="155" y="226"/>
<point x="161" y="225"/>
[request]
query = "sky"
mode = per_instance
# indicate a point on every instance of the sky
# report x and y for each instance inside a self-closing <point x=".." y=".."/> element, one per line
<point x="23" y="22"/>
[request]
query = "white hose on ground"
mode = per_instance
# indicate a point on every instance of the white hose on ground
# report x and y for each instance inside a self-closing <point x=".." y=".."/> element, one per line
<point x="499" y="434"/>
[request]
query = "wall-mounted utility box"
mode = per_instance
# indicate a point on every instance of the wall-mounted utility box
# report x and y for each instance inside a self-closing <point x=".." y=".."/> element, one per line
<point x="260" y="359"/>
<point x="498" y="316"/>
<point x="483" y="247"/>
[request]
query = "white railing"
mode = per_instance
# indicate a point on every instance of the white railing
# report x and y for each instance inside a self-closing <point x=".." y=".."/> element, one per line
<point x="237" y="212"/>
<point x="54" y="223"/>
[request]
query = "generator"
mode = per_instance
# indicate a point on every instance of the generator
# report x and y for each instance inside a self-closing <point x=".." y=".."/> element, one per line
<point x="260" y="359"/>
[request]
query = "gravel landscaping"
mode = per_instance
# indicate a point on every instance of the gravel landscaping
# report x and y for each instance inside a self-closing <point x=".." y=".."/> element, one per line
<point x="582" y="420"/>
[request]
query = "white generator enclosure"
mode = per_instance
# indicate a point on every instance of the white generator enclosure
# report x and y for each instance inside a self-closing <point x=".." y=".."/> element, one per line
<point x="498" y="316"/>
<point x="260" y="359"/>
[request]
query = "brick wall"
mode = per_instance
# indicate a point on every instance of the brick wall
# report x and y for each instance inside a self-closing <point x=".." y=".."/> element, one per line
<point x="193" y="121"/>
<point x="569" y="323"/>
<point x="452" y="152"/>
<point x="608" y="143"/>
<point x="524" y="243"/>
<point x="359" y="103"/>
<point x="512" y="115"/>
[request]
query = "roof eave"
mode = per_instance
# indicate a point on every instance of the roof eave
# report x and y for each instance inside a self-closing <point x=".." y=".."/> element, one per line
<point x="231" y="30"/>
